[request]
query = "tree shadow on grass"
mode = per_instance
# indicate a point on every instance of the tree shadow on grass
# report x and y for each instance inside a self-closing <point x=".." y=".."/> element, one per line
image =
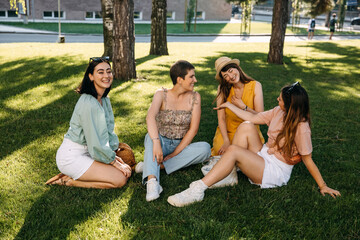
<point x="145" y="59"/>
<point x="58" y="211"/>
<point x="20" y="126"/>
<point x="61" y="209"/>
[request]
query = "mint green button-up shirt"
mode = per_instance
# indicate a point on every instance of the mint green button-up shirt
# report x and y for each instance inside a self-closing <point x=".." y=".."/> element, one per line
<point x="92" y="124"/>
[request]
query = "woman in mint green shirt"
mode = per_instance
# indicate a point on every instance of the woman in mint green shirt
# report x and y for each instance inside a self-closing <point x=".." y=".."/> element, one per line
<point x="87" y="158"/>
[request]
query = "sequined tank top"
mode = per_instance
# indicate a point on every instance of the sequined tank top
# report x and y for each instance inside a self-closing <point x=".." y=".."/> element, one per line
<point x="174" y="124"/>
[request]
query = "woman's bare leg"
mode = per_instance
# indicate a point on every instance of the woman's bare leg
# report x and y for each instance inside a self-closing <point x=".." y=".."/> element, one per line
<point x="247" y="136"/>
<point x="99" y="175"/>
<point x="243" y="153"/>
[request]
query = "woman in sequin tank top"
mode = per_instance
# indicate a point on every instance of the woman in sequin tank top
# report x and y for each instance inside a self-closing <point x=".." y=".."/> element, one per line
<point x="172" y="122"/>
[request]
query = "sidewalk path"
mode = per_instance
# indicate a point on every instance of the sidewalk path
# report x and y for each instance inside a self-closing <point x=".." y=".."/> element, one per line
<point x="11" y="29"/>
<point x="10" y="34"/>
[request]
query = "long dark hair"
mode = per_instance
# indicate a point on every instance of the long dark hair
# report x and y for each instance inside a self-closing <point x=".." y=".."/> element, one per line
<point x="225" y="86"/>
<point x="297" y="109"/>
<point x="87" y="86"/>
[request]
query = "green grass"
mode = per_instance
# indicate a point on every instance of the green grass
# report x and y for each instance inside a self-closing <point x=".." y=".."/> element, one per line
<point x="141" y="28"/>
<point x="37" y="100"/>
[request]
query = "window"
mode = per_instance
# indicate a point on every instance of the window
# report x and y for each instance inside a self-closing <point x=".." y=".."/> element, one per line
<point x="48" y="15"/>
<point x="170" y="15"/>
<point x="11" y="13"/>
<point x="200" y="15"/>
<point x="2" y="14"/>
<point x="56" y="14"/>
<point x="137" y="15"/>
<point x="53" y="14"/>
<point x="93" y="15"/>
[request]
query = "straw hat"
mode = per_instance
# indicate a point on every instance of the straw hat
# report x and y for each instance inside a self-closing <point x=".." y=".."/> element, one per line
<point x="220" y="63"/>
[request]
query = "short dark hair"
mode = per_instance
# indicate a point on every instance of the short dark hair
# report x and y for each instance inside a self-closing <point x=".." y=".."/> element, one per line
<point x="180" y="69"/>
<point x="87" y="86"/>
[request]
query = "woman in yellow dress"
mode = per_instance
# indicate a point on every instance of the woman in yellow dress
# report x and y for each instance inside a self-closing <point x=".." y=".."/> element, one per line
<point x="242" y="91"/>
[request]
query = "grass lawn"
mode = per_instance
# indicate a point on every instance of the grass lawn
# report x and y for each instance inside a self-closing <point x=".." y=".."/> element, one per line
<point x="37" y="100"/>
<point x="141" y="28"/>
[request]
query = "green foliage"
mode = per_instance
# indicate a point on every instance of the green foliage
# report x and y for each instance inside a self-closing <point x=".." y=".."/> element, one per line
<point x="190" y="13"/>
<point x="296" y="8"/>
<point x="318" y="7"/>
<point x="14" y="4"/>
<point x="37" y="100"/>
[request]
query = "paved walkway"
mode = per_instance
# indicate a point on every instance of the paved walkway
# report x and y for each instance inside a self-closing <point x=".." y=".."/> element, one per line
<point x="11" y="29"/>
<point x="9" y="34"/>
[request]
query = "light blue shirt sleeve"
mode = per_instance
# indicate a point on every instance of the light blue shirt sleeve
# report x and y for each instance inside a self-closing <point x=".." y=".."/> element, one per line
<point x="92" y="124"/>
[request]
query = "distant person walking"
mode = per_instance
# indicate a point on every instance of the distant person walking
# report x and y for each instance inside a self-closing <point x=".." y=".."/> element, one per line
<point x="311" y="28"/>
<point x="332" y="25"/>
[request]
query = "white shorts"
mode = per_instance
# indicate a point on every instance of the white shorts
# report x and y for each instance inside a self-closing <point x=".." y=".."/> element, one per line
<point x="276" y="172"/>
<point x="73" y="159"/>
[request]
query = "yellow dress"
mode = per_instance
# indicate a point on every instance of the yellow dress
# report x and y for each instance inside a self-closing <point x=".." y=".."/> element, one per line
<point x="233" y="121"/>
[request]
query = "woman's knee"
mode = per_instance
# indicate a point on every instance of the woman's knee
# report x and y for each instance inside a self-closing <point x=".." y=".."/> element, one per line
<point x="204" y="149"/>
<point x="120" y="181"/>
<point x="232" y="149"/>
<point x="245" y="127"/>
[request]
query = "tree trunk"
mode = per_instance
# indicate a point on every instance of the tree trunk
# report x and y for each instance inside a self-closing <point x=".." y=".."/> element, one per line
<point x="158" y="28"/>
<point x="124" y="40"/>
<point x="279" y="20"/>
<point x="108" y="16"/>
<point x="327" y="19"/>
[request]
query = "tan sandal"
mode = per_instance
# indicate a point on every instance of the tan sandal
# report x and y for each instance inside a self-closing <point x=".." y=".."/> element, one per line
<point x="61" y="181"/>
<point x="55" y="178"/>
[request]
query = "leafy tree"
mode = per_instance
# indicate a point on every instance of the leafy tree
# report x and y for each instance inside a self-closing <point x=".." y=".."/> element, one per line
<point x="246" y="7"/>
<point x="124" y="40"/>
<point x="158" y="44"/>
<point x="296" y="8"/>
<point x="190" y="14"/>
<point x="318" y="7"/>
<point x="14" y="4"/>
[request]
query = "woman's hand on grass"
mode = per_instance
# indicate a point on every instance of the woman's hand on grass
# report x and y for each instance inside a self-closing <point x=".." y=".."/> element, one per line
<point x="332" y="192"/>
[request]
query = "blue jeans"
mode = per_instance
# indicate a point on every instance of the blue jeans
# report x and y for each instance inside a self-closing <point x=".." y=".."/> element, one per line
<point x="192" y="154"/>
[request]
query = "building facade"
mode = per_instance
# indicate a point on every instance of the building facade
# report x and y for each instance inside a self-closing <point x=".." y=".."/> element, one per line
<point x="90" y="10"/>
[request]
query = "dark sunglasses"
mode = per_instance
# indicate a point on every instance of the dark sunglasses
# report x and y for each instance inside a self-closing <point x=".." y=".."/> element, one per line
<point x="292" y="87"/>
<point x="99" y="59"/>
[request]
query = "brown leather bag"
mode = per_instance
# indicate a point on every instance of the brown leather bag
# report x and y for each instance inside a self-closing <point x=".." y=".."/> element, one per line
<point x="125" y="152"/>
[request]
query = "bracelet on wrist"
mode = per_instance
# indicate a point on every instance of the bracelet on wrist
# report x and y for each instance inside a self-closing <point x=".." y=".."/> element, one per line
<point x="245" y="108"/>
<point x="324" y="185"/>
<point x="113" y="162"/>
<point x="155" y="139"/>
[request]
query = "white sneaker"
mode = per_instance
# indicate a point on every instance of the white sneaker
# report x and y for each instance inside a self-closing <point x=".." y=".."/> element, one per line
<point x="195" y="193"/>
<point x="153" y="189"/>
<point x="139" y="167"/>
<point x="230" y="180"/>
